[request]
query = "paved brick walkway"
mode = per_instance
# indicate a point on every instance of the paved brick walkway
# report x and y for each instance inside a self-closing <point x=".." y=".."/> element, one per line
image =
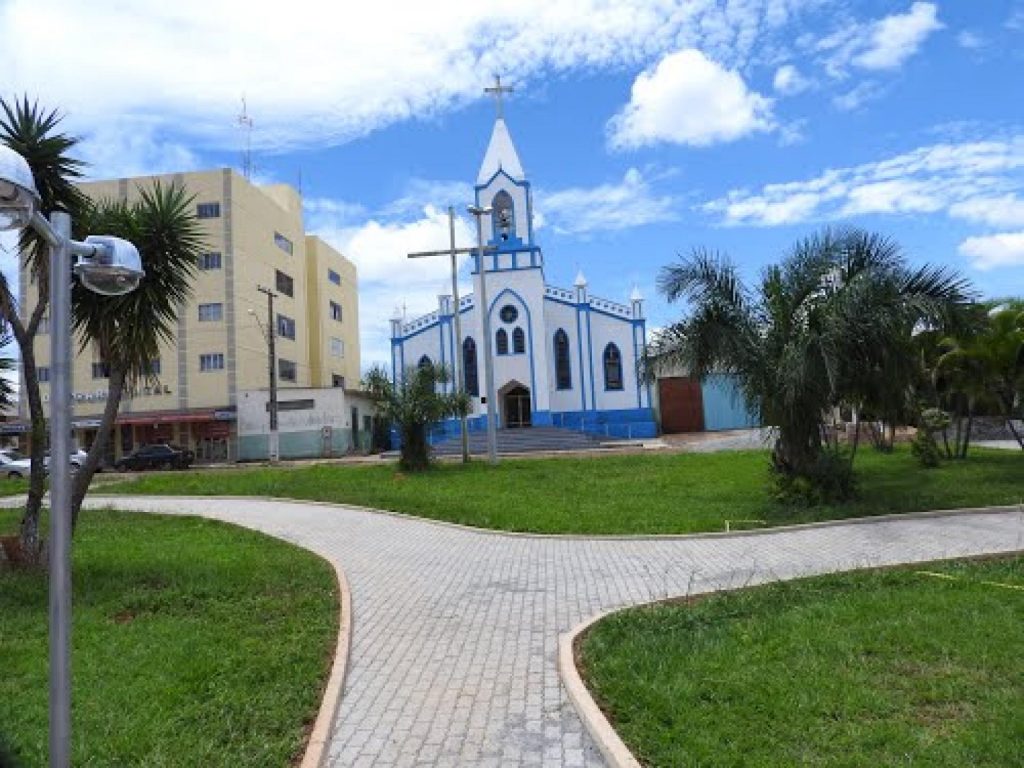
<point x="455" y="631"/>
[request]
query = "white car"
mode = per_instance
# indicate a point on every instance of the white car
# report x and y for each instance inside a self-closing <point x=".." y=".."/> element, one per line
<point x="78" y="457"/>
<point x="14" y="465"/>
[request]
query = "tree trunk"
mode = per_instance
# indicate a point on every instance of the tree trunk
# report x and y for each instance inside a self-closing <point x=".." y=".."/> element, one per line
<point x="967" y="432"/>
<point x="29" y="539"/>
<point x="115" y="390"/>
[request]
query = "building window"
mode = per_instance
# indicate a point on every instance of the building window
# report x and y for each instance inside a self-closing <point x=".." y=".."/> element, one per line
<point x="208" y="211"/>
<point x="333" y="277"/>
<point x="337" y="381"/>
<point x="286" y="369"/>
<point x="501" y="341"/>
<point x="508" y="314"/>
<point x="336" y="311"/>
<point x="44" y="325"/>
<point x="283" y="243"/>
<point x="43" y="374"/>
<point x="612" y="367"/>
<point x="210" y="313"/>
<point x="518" y="342"/>
<point x="471" y="376"/>
<point x="284" y="283"/>
<point x="563" y="366"/>
<point x="209" y="260"/>
<point x="286" y="327"/>
<point x="211" y="362"/>
<point x="154" y="367"/>
<point x="101" y="370"/>
<point x="337" y="347"/>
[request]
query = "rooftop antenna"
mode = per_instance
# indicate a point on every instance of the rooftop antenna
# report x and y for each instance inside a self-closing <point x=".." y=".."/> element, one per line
<point x="246" y="122"/>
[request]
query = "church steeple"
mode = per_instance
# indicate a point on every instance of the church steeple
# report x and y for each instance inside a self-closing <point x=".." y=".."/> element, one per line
<point x="501" y="155"/>
<point x="502" y="186"/>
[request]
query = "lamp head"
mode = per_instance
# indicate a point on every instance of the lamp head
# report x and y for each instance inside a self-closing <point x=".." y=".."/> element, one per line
<point x="19" y="199"/>
<point x="114" y="270"/>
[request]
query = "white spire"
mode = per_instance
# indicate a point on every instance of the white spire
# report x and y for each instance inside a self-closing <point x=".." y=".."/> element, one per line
<point x="580" y="281"/>
<point x="501" y="155"/>
<point x="636" y="295"/>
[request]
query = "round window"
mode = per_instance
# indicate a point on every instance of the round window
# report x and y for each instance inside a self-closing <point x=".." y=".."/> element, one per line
<point x="509" y="313"/>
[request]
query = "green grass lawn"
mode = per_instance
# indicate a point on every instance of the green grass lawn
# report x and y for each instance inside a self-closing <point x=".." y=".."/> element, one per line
<point x="878" y="668"/>
<point x="195" y="643"/>
<point x="639" y="493"/>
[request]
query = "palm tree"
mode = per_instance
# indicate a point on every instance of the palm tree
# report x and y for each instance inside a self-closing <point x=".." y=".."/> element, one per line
<point x="33" y="133"/>
<point x="413" y="405"/>
<point x="987" y="364"/>
<point x="128" y="330"/>
<point x="821" y="329"/>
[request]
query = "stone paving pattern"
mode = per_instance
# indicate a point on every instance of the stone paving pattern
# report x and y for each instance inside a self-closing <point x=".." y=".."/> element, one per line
<point x="455" y="632"/>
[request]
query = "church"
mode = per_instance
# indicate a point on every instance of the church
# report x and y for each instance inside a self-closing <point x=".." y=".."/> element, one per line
<point x="561" y="357"/>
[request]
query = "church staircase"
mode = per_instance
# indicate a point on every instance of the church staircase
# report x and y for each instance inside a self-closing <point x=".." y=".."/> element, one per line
<point x="530" y="440"/>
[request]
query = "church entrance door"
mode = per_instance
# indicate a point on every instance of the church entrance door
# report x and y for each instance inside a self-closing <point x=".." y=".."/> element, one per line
<point x="517" y="407"/>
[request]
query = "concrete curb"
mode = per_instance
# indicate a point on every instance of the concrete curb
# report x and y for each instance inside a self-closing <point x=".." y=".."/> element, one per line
<point x="612" y="747"/>
<point x="894" y="516"/>
<point x="320" y="736"/>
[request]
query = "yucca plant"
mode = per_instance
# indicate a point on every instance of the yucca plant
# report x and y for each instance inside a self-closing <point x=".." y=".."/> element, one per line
<point x="34" y="133"/>
<point x="128" y="330"/>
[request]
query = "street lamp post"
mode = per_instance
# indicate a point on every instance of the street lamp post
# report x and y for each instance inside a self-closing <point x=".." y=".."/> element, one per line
<point x="105" y="265"/>
<point x="485" y="315"/>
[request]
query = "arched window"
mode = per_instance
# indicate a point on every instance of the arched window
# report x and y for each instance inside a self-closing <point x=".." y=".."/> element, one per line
<point x="503" y="216"/>
<point x="471" y="376"/>
<point x="424" y="362"/>
<point x="518" y="341"/>
<point x="612" y="367"/>
<point x="563" y="368"/>
<point x="501" y="341"/>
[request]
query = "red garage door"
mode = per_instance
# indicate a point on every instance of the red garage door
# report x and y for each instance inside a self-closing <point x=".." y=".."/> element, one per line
<point x="682" y="409"/>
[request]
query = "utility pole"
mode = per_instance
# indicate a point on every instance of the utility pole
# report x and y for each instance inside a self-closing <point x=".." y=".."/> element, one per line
<point x="272" y="445"/>
<point x="485" y="316"/>
<point x="453" y="252"/>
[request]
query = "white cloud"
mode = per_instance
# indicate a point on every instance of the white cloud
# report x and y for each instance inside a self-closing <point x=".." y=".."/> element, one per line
<point x="857" y="96"/>
<point x="969" y="180"/>
<point x="328" y="72"/>
<point x="881" y="44"/>
<point x="387" y="277"/>
<point x="689" y="99"/>
<point x="896" y="38"/>
<point x="788" y="81"/>
<point x="138" y="150"/>
<point x="1004" y="211"/>
<point x="607" y="207"/>
<point x="992" y="251"/>
<point x="972" y="41"/>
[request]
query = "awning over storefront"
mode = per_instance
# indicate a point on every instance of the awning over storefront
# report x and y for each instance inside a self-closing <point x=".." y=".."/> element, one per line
<point x="166" y="418"/>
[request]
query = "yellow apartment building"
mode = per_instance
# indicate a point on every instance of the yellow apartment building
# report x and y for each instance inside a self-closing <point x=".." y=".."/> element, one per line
<point x="254" y="238"/>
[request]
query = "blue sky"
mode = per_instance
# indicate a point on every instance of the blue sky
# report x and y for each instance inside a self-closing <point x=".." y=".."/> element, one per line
<point x="648" y="127"/>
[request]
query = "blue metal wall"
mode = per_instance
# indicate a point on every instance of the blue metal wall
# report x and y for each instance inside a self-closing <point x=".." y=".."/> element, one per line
<point x="724" y="407"/>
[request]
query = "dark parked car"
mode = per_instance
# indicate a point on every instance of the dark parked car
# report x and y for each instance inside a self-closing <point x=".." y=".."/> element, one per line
<point x="156" y="456"/>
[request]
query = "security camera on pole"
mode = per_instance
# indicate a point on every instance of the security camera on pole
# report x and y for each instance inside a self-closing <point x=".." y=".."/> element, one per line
<point x="108" y="266"/>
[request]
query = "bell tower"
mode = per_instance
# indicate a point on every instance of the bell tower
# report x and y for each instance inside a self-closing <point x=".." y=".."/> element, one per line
<point x="502" y="186"/>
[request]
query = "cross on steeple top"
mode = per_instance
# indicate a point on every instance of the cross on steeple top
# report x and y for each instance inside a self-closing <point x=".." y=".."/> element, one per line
<point x="498" y="91"/>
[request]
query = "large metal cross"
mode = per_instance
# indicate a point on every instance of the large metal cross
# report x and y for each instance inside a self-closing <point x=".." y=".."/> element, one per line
<point x="452" y="252"/>
<point x="498" y="90"/>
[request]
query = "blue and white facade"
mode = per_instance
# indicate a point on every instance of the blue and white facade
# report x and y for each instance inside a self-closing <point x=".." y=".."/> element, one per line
<point x="561" y="356"/>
